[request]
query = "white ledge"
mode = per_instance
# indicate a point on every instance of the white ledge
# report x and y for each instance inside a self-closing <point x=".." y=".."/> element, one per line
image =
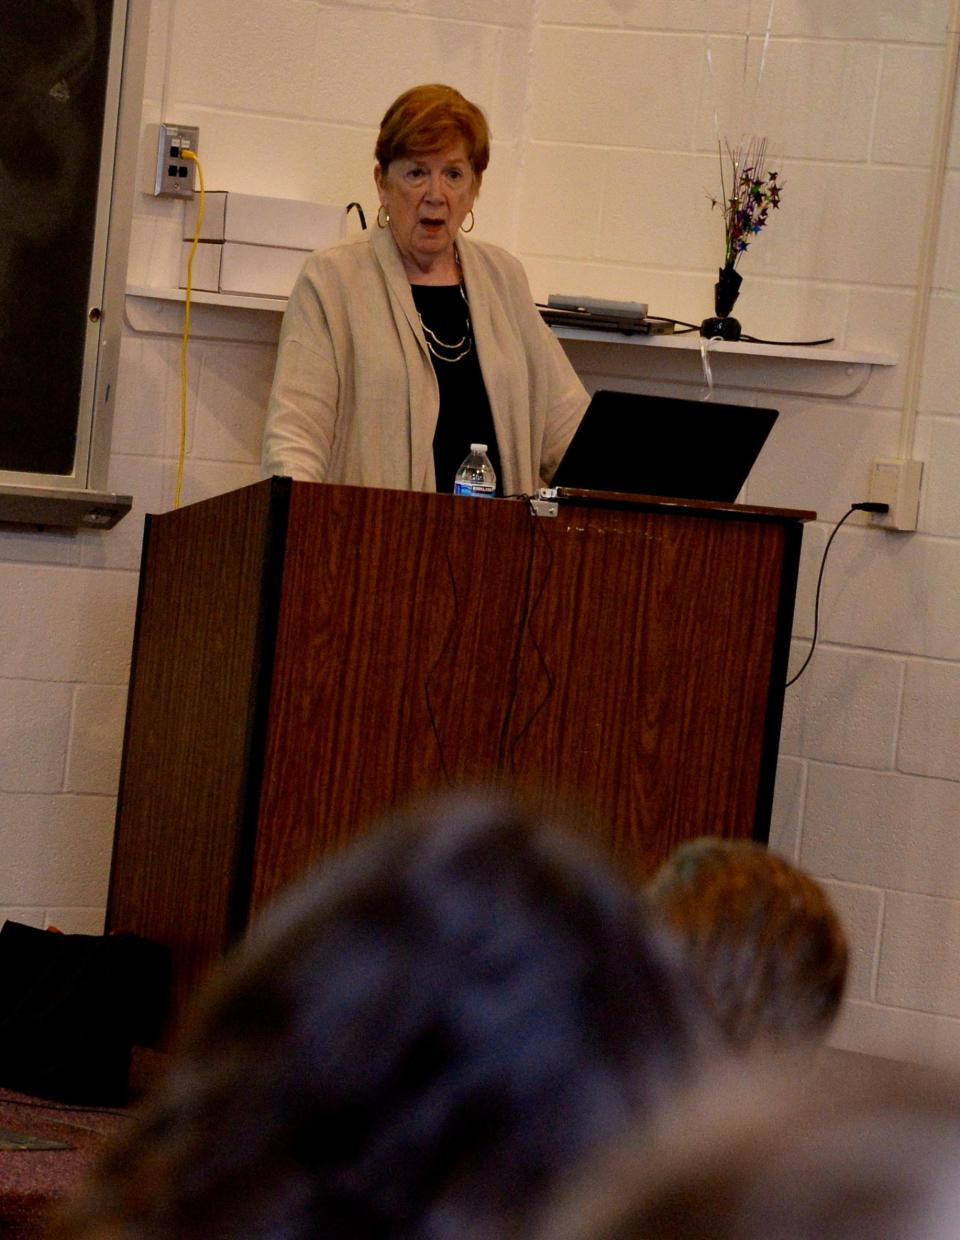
<point x="689" y="342"/>
<point x="201" y="298"/>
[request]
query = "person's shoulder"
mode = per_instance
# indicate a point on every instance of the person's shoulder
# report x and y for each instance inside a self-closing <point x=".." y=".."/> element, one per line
<point x="496" y="258"/>
<point x="331" y="277"/>
<point x="348" y="255"/>
<point x="503" y="272"/>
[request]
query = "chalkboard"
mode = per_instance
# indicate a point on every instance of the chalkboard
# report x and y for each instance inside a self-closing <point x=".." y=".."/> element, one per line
<point x="56" y="57"/>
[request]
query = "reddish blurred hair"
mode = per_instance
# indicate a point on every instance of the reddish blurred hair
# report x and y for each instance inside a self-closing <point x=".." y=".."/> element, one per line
<point x="429" y="118"/>
<point x="764" y="941"/>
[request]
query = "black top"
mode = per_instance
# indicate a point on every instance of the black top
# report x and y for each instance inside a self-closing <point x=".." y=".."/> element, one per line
<point x="465" y="416"/>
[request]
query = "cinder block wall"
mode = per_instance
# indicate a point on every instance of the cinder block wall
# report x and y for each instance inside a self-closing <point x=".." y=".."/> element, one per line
<point x="604" y="159"/>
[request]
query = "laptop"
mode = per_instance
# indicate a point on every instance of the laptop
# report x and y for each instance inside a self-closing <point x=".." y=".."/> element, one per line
<point x="664" y="446"/>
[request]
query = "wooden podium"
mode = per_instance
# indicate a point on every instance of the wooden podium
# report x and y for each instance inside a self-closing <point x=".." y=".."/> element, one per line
<point x="308" y="655"/>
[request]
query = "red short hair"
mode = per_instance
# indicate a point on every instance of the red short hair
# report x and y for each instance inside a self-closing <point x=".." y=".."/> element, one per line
<point x="429" y="118"/>
<point x="765" y="943"/>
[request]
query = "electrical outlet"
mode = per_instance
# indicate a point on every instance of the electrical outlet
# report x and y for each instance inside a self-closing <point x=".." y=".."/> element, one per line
<point x="174" y="174"/>
<point x="895" y="482"/>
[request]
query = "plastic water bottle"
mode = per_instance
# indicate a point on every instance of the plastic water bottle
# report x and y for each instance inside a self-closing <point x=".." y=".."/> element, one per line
<point x="475" y="476"/>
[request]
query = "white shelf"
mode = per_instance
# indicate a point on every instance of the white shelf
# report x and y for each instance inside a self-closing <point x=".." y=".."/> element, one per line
<point x="201" y="298"/>
<point x="793" y="352"/>
<point x="794" y="368"/>
<point x="213" y="316"/>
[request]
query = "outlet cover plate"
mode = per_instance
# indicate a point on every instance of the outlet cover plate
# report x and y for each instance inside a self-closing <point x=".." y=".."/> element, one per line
<point x="174" y="174"/>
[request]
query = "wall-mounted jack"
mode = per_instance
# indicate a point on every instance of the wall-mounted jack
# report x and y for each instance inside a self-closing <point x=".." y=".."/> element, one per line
<point x="173" y="173"/>
<point x="896" y="482"/>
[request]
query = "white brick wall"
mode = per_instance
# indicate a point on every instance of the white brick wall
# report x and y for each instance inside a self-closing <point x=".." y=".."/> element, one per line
<point x="603" y="164"/>
<point x="844" y="708"/>
<point x="862" y="911"/>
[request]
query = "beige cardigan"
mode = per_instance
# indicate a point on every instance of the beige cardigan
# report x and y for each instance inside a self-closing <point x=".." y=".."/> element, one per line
<point x="355" y="397"/>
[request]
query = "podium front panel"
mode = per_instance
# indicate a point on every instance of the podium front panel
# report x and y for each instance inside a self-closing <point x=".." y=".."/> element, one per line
<point x="615" y="659"/>
<point x="308" y="656"/>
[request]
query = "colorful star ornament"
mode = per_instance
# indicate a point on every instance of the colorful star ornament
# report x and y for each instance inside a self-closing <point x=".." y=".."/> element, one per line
<point x="752" y="196"/>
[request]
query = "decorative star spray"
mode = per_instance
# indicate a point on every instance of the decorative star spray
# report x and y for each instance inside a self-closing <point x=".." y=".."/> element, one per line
<point x="752" y="195"/>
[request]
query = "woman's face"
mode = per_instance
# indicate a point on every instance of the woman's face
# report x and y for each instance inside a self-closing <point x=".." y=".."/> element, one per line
<point x="427" y="197"/>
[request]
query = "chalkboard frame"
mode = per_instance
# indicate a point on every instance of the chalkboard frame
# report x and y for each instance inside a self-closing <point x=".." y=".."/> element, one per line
<point x="79" y="496"/>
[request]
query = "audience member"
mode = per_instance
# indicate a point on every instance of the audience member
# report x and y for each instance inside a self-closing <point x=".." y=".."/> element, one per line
<point x="765" y="945"/>
<point x="418" y="1041"/>
<point x="752" y="1156"/>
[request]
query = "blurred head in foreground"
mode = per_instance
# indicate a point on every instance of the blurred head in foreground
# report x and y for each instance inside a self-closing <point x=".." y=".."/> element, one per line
<point x="753" y="1156"/>
<point x="417" y="1041"/>
<point x="763" y="941"/>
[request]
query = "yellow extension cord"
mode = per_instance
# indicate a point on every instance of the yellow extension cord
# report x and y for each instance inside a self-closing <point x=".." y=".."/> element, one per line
<point x="185" y="154"/>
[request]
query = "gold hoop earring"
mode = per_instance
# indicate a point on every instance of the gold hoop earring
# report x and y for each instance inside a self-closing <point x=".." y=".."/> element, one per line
<point x="383" y="220"/>
<point x="473" y="222"/>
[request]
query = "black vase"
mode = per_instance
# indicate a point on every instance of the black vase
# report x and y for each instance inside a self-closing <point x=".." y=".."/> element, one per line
<point x="725" y="293"/>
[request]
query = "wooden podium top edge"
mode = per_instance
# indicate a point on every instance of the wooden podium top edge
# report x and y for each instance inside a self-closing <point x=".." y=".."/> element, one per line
<point x="649" y="503"/>
<point x="567" y="496"/>
<point x="646" y="503"/>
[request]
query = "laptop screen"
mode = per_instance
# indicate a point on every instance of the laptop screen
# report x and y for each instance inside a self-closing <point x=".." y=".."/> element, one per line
<point x="664" y="446"/>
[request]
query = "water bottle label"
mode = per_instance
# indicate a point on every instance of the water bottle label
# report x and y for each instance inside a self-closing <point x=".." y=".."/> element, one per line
<point x="479" y="490"/>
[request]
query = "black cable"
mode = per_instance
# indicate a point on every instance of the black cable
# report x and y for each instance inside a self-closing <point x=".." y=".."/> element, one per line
<point x="687" y="327"/>
<point x="538" y="528"/>
<point x="865" y="507"/>
<point x="695" y="327"/>
<point x="452" y="629"/>
<point x="517" y="655"/>
<point x="683" y="328"/>
<point x="363" y="218"/>
<point x="798" y="344"/>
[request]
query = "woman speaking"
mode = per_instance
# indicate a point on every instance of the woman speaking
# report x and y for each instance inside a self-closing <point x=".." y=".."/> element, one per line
<point x="407" y="343"/>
